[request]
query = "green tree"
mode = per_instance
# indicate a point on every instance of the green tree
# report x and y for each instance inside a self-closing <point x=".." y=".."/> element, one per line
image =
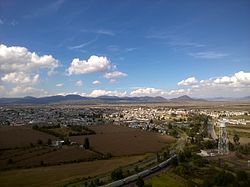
<point x="117" y="174"/>
<point x="86" y="143"/>
<point x="139" y="182"/>
<point x="224" y="179"/>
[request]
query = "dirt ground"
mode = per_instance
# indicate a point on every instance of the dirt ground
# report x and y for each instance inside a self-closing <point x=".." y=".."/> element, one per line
<point x="119" y="140"/>
<point x="11" y="137"/>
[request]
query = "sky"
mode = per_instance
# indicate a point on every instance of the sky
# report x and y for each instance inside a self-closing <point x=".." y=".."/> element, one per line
<point x="199" y="48"/>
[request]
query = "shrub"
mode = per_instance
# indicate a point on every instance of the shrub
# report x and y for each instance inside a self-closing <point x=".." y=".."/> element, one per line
<point x="117" y="174"/>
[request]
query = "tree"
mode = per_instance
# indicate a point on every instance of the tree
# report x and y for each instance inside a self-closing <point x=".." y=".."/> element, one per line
<point x="224" y="179"/>
<point x="117" y="174"/>
<point x="165" y="155"/>
<point x="86" y="143"/>
<point x="158" y="157"/>
<point x="140" y="182"/>
<point x="236" y="139"/>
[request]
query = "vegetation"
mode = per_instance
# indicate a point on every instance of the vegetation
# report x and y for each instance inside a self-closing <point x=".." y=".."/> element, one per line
<point x="117" y="174"/>
<point x="140" y="182"/>
<point x="86" y="143"/>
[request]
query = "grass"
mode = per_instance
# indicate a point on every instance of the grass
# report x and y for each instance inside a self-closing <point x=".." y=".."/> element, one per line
<point x="167" y="180"/>
<point x="59" y="175"/>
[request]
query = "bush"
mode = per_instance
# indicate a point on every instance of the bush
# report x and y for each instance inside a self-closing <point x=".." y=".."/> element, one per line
<point x="140" y="182"/>
<point x="224" y="179"/>
<point x="117" y="174"/>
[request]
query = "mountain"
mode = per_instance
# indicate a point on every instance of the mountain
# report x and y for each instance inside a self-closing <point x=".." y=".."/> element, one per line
<point x="185" y="98"/>
<point x="79" y="99"/>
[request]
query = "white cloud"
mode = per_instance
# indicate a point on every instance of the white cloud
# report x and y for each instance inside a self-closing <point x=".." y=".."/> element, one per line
<point x="236" y="85"/>
<point x="208" y="55"/>
<point x="82" y="45"/>
<point x="239" y="79"/>
<point x="72" y="93"/>
<point x="105" y="32"/>
<point x="96" y="82"/>
<point x="79" y="83"/>
<point x="178" y="92"/>
<point x="115" y="74"/>
<point x="153" y="92"/>
<point x="27" y="91"/>
<point x="59" y="85"/>
<point x="21" y="67"/>
<point x="2" y="91"/>
<point x="112" y="81"/>
<point x="20" y="59"/>
<point x="96" y="93"/>
<point x="187" y="82"/>
<point x="92" y="65"/>
<point x="148" y="92"/>
<point x="1" y="22"/>
<point x="20" y="78"/>
<point x="242" y="77"/>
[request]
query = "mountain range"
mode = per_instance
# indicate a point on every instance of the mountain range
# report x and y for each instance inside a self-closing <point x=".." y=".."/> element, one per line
<point x="57" y="99"/>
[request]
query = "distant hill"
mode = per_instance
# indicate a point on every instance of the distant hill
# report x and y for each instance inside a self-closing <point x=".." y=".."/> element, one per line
<point x="57" y="99"/>
<point x="185" y="98"/>
<point x="79" y="99"/>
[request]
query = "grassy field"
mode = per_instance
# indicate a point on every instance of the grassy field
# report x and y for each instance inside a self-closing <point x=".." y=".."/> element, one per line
<point x="59" y="175"/>
<point x="242" y="131"/>
<point x="166" y="180"/>
<point x="12" y="137"/>
<point x="120" y="141"/>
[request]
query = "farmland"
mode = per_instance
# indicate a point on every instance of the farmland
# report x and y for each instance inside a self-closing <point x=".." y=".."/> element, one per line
<point x="25" y="161"/>
<point x="13" y="137"/>
<point x="124" y="141"/>
<point x="58" y="175"/>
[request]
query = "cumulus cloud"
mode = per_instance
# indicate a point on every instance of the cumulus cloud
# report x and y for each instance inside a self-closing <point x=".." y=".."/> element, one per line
<point x="178" y="92"/>
<point x="79" y="83"/>
<point x="147" y="92"/>
<point x="24" y="91"/>
<point x="92" y="65"/>
<point x="59" y="85"/>
<point x="187" y="82"/>
<point x="235" y="85"/>
<point x="21" y="67"/>
<point x="153" y="92"/>
<point x="96" y="82"/>
<point x="72" y="93"/>
<point x="20" y="59"/>
<point x="96" y="93"/>
<point x="115" y="74"/>
<point x="20" y="78"/>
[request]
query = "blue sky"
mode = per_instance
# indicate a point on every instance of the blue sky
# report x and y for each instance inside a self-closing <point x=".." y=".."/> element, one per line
<point x="125" y="48"/>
